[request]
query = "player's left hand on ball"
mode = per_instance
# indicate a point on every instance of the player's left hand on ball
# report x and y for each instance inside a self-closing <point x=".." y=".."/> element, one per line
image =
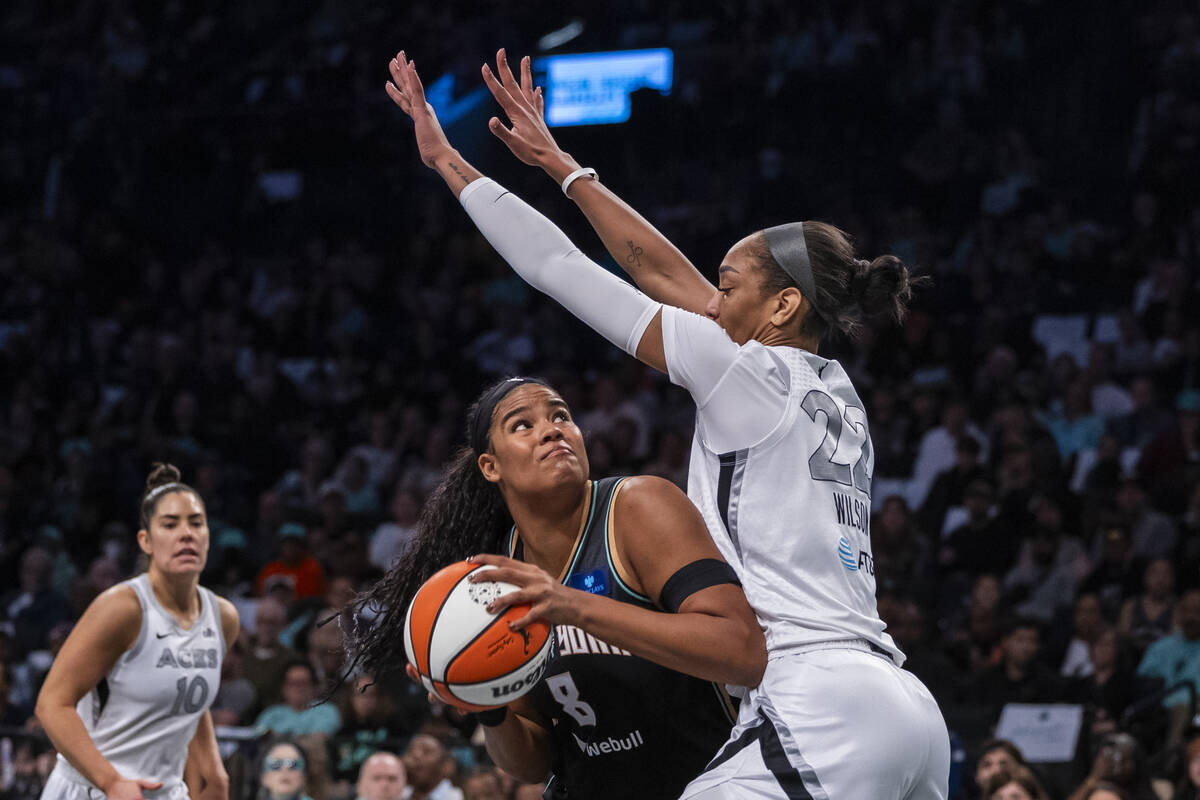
<point x="548" y="599"/>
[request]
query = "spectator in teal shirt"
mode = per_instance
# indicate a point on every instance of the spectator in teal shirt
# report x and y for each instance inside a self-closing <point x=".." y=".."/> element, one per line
<point x="1176" y="657"/>
<point x="297" y="715"/>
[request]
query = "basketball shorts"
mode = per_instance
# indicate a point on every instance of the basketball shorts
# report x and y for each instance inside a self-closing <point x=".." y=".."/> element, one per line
<point x="832" y="722"/>
<point x="60" y="786"/>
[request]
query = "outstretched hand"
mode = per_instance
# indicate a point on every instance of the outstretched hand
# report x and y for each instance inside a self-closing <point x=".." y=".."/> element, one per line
<point x="406" y="91"/>
<point x="525" y="106"/>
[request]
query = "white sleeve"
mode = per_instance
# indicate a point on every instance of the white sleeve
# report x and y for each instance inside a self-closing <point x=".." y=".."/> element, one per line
<point x="548" y="261"/>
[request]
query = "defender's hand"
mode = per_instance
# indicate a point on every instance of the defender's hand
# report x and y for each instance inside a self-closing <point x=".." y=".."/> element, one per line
<point x="406" y="91"/>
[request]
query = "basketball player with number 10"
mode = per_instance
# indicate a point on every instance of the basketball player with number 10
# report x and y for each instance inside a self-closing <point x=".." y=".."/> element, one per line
<point x="781" y="460"/>
<point x="126" y="701"/>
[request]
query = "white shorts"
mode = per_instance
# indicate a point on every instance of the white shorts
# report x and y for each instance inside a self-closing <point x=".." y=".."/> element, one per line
<point x="834" y="723"/>
<point x="60" y="786"/>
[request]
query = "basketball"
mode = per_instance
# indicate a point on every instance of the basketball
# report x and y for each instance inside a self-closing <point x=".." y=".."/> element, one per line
<point x="466" y="655"/>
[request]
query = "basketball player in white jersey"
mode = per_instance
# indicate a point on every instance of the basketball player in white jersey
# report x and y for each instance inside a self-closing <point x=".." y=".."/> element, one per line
<point x="126" y="701"/>
<point x="781" y="461"/>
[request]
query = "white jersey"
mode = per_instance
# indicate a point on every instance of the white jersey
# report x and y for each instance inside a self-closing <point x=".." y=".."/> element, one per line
<point x="781" y="469"/>
<point x="144" y="712"/>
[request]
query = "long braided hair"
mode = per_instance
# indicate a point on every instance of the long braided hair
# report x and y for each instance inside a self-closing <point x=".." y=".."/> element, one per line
<point x="465" y="515"/>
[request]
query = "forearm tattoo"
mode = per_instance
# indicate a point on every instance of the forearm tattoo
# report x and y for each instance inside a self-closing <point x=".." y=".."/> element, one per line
<point x="458" y="172"/>
<point x="635" y="254"/>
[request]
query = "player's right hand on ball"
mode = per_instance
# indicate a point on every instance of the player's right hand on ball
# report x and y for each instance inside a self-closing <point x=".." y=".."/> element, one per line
<point x="130" y="789"/>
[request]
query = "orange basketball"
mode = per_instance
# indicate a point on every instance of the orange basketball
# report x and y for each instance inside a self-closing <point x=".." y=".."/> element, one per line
<point x="466" y="655"/>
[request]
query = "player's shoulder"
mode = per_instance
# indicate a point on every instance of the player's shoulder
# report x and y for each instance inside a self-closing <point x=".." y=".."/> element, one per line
<point x="639" y="490"/>
<point x="117" y="608"/>
<point x="230" y="622"/>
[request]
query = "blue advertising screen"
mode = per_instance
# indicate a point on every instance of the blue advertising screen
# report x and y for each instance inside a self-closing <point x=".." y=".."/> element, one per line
<point x="594" y="88"/>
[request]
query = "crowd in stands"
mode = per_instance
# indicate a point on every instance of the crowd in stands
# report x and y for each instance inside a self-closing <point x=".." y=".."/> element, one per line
<point x="219" y="248"/>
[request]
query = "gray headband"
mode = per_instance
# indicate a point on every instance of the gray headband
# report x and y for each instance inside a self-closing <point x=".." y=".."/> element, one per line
<point x="787" y="246"/>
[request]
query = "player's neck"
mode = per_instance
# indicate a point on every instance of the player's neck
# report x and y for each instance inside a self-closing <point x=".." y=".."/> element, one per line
<point x="177" y="594"/>
<point x="550" y="525"/>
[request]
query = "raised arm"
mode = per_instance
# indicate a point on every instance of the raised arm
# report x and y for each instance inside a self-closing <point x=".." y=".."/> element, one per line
<point x="657" y="266"/>
<point x="532" y="245"/>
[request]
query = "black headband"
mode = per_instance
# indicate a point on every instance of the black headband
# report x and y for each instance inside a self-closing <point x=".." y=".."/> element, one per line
<point x="481" y="420"/>
<point x="787" y="246"/>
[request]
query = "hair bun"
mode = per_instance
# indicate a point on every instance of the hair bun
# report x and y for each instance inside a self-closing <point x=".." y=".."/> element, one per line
<point x="161" y="474"/>
<point x="883" y="286"/>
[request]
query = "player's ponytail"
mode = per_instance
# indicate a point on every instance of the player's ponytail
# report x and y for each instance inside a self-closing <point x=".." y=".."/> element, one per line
<point x="846" y="290"/>
<point x="164" y="479"/>
<point x="465" y="515"/>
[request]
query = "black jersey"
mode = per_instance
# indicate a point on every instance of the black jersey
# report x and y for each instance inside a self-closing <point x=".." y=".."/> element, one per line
<point x="622" y="726"/>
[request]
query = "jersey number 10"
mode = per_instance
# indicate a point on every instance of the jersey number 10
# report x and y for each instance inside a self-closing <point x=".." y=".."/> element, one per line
<point x="844" y="455"/>
<point x="190" y="695"/>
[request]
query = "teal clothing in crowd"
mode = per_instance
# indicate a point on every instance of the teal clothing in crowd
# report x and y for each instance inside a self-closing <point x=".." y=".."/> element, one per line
<point x="1173" y="659"/>
<point x="287" y="721"/>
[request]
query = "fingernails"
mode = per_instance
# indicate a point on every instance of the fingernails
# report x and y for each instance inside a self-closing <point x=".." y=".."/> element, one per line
<point x="470" y="559"/>
<point x="487" y="69"/>
<point x="491" y="608"/>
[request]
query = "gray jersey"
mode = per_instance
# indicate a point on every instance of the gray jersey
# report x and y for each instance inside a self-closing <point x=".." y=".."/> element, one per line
<point x="144" y="712"/>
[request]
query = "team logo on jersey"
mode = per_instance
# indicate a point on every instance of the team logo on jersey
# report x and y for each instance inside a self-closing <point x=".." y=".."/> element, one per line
<point x="593" y="582"/>
<point x="846" y="555"/>
<point x="209" y="632"/>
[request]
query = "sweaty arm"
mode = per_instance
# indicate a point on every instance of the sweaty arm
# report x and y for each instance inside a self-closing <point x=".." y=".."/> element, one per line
<point x="108" y="628"/>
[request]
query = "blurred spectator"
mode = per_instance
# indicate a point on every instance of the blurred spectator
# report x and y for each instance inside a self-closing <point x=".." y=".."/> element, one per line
<point x="1120" y="762"/>
<point x="1149" y="616"/>
<point x="1153" y="533"/>
<point x="1171" y="462"/>
<point x="996" y="756"/>
<point x="382" y="777"/>
<point x="482" y="784"/>
<point x="369" y="724"/>
<point x="901" y="552"/>
<point x="34" y="608"/>
<point x="11" y="714"/>
<point x="1088" y="625"/>
<point x="1049" y="566"/>
<point x="390" y="538"/>
<point x="424" y="760"/>
<point x="1014" y="783"/>
<point x="1117" y="573"/>
<point x="266" y="657"/>
<point x="950" y="486"/>
<point x="974" y="635"/>
<point x="299" y="713"/>
<point x="283" y="773"/>
<point x="236" y="697"/>
<point x="1019" y="677"/>
<point x="1188" y="787"/>
<point x="1176" y="658"/>
<point x="295" y="568"/>
<point x="1111" y="686"/>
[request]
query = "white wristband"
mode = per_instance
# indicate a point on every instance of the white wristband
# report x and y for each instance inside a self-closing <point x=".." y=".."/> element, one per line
<point x="579" y="173"/>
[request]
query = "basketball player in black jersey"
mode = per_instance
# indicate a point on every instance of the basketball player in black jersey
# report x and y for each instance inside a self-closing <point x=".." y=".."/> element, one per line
<point x="648" y="620"/>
